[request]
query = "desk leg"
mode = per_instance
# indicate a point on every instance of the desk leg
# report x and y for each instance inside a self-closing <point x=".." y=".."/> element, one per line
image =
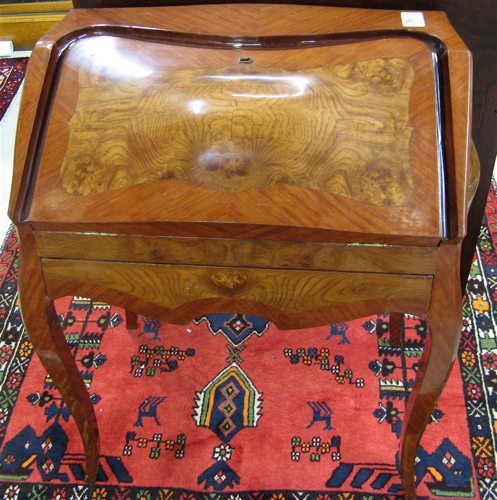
<point x="445" y="320"/>
<point x="131" y="320"/>
<point x="47" y="337"/>
<point x="396" y="329"/>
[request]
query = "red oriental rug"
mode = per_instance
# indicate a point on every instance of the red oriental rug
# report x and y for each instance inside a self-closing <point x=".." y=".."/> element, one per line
<point x="230" y="405"/>
<point x="12" y="72"/>
<point x="231" y="408"/>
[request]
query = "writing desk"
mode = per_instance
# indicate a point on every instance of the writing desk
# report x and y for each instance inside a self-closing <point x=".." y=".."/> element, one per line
<point x="304" y="164"/>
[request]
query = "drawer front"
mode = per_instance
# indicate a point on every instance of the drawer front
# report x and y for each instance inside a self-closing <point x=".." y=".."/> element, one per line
<point x="238" y="253"/>
<point x="290" y="291"/>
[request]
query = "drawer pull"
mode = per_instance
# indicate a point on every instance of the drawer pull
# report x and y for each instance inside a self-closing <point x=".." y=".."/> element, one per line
<point x="229" y="280"/>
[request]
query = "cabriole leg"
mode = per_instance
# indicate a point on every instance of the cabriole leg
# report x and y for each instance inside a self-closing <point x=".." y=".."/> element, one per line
<point x="445" y="320"/>
<point x="47" y="337"/>
<point x="396" y="329"/>
<point x="131" y="320"/>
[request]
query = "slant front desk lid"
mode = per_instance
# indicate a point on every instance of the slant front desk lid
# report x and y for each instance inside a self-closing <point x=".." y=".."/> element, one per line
<point x="314" y="130"/>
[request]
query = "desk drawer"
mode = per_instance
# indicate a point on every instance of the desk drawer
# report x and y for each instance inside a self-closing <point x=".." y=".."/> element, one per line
<point x="238" y="253"/>
<point x="290" y="291"/>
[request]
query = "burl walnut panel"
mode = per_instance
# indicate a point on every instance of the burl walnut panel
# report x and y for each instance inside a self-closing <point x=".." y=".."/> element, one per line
<point x="343" y="130"/>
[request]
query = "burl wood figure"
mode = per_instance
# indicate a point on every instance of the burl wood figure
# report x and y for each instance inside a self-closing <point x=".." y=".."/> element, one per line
<point x="246" y="127"/>
<point x="309" y="165"/>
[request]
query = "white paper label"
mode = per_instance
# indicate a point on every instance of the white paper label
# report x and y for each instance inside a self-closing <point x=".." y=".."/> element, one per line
<point x="413" y="19"/>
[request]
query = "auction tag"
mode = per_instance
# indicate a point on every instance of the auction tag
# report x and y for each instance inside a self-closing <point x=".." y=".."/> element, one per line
<point x="413" y="19"/>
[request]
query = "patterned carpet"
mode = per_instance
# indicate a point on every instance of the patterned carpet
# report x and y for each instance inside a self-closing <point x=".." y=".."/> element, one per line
<point x="11" y="75"/>
<point x="230" y="407"/>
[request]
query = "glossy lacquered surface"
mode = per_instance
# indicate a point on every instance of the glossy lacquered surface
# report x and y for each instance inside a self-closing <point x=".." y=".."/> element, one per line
<point x="247" y="136"/>
<point x="342" y="129"/>
<point x="361" y="162"/>
<point x="308" y="165"/>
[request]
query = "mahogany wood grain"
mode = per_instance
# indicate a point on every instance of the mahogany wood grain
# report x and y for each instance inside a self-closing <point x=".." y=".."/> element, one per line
<point x="173" y="231"/>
